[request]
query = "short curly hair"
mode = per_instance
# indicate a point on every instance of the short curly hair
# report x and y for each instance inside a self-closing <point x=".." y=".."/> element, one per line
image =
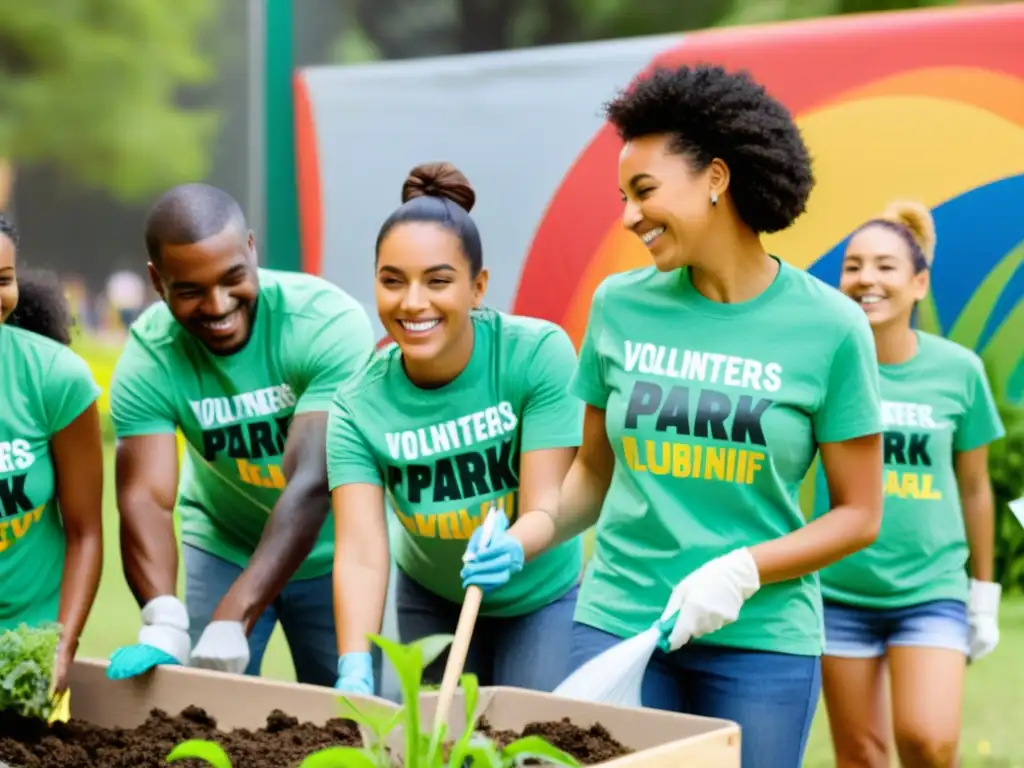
<point x="42" y="306"/>
<point x="711" y="113"/>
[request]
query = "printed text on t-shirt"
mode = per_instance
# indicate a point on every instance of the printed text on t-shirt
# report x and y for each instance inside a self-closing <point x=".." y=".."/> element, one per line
<point x="909" y="428"/>
<point x="702" y="408"/>
<point x="18" y="512"/>
<point x="467" y="457"/>
<point x="249" y="429"/>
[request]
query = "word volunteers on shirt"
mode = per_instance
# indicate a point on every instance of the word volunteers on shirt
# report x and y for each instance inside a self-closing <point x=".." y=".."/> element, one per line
<point x="468" y="457"/>
<point x="693" y="394"/>
<point x="250" y="428"/>
<point x="907" y="451"/>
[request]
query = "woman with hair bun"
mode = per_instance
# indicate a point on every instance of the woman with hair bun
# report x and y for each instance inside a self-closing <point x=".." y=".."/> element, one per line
<point x="51" y="461"/>
<point x="906" y="603"/>
<point x="467" y="409"/>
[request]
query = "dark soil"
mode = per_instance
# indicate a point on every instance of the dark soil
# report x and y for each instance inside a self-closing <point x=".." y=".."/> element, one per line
<point x="282" y="743"/>
<point x="588" y="745"/>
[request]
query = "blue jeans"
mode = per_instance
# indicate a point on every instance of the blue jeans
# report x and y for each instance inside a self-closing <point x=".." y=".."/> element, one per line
<point x="530" y="651"/>
<point x="772" y="696"/>
<point x="865" y="633"/>
<point x="304" y="608"/>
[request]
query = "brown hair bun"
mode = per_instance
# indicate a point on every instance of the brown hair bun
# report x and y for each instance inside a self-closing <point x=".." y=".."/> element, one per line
<point x="917" y="219"/>
<point x="439" y="180"/>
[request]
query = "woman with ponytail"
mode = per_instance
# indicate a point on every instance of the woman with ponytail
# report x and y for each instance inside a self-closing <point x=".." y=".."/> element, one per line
<point x="907" y="602"/>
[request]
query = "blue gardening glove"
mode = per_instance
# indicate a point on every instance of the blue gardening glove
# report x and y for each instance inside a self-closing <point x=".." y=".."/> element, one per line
<point x="491" y="562"/>
<point x="163" y="639"/>
<point x="222" y="647"/>
<point x="355" y="673"/>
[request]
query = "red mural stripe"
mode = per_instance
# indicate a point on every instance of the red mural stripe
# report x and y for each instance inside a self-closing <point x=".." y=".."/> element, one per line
<point x="806" y="65"/>
<point x="307" y="171"/>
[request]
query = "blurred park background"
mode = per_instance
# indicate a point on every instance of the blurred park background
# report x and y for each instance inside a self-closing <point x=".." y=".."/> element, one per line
<point x="106" y="103"/>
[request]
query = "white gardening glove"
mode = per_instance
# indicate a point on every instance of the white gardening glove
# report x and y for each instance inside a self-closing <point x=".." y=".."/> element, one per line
<point x="165" y="627"/>
<point x="711" y="596"/>
<point x="983" y="618"/>
<point x="223" y="647"/>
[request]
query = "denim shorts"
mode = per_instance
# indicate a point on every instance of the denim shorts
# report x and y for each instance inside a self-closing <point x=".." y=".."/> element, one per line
<point x="864" y="633"/>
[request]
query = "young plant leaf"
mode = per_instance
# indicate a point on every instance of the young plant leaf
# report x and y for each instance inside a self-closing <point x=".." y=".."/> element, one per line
<point x="341" y="757"/>
<point x="409" y="662"/>
<point x="431" y="648"/>
<point x="537" y="748"/>
<point x="200" y="749"/>
<point x="481" y="753"/>
<point x="470" y="695"/>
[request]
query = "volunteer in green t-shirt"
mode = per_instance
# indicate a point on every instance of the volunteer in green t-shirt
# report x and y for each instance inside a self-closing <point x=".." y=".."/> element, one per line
<point x="906" y="603"/>
<point x="244" y="362"/>
<point x="711" y="380"/>
<point x="51" y="462"/>
<point x="469" y="409"/>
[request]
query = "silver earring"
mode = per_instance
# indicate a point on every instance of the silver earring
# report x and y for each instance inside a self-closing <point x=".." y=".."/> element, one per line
<point x="714" y="198"/>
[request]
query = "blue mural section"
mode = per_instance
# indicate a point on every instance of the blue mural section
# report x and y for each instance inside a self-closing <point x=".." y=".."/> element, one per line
<point x="976" y="230"/>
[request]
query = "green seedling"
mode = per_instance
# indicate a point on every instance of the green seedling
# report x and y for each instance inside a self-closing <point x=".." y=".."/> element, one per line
<point x="27" y="658"/>
<point x="422" y="749"/>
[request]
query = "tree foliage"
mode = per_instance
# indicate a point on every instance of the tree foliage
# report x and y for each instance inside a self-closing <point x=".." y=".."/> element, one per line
<point x="90" y="86"/>
<point x="402" y="29"/>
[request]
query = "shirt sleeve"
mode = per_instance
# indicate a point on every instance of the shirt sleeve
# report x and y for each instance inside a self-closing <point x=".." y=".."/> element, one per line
<point x="589" y="382"/>
<point x="138" y="399"/>
<point x="980" y="422"/>
<point x="349" y="456"/>
<point x="851" y="406"/>
<point x="69" y="388"/>
<point x="552" y="416"/>
<point x="333" y="354"/>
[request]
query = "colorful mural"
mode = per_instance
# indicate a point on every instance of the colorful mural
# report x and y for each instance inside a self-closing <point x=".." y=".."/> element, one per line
<point x="925" y="105"/>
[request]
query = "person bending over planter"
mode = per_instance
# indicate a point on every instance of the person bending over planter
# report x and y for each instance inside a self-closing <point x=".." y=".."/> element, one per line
<point x="711" y="378"/>
<point x="51" y="462"/>
<point x="243" y="361"/>
<point x="906" y="603"/>
<point x="468" y="409"/>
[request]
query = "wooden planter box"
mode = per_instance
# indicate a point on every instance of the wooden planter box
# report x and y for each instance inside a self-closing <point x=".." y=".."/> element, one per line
<point x="662" y="739"/>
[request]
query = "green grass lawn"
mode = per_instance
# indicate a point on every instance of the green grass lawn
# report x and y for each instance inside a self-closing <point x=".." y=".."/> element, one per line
<point x="992" y="732"/>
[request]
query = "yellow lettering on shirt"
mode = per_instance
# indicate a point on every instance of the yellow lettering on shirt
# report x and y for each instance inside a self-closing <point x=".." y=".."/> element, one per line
<point x="11" y="531"/>
<point x="696" y="462"/>
<point x="911" y="485"/>
<point x="261" y="475"/>
<point x="458" y="524"/>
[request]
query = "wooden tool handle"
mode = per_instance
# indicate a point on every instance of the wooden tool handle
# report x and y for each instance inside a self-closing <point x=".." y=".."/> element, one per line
<point x="463" y="633"/>
<point x="457" y="653"/>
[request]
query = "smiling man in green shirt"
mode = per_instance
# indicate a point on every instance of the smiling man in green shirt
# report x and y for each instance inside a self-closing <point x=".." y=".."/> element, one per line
<point x="244" y="362"/>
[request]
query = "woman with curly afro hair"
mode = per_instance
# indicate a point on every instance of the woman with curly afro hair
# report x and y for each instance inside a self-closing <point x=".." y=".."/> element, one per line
<point x="909" y="603"/>
<point x="51" y="462"/>
<point x="711" y="379"/>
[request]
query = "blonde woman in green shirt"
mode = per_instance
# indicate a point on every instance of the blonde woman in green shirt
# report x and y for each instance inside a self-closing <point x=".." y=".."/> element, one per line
<point x="907" y="603"/>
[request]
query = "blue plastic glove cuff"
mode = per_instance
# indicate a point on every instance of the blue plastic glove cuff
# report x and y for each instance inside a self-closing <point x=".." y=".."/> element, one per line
<point x="355" y="673"/>
<point x="133" y="660"/>
<point x="665" y="626"/>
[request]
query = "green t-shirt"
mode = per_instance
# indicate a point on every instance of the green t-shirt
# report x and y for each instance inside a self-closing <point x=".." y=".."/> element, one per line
<point x="714" y="413"/>
<point x="234" y="411"/>
<point x="44" y="386"/>
<point x="446" y="455"/>
<point x="935" y="404"/>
